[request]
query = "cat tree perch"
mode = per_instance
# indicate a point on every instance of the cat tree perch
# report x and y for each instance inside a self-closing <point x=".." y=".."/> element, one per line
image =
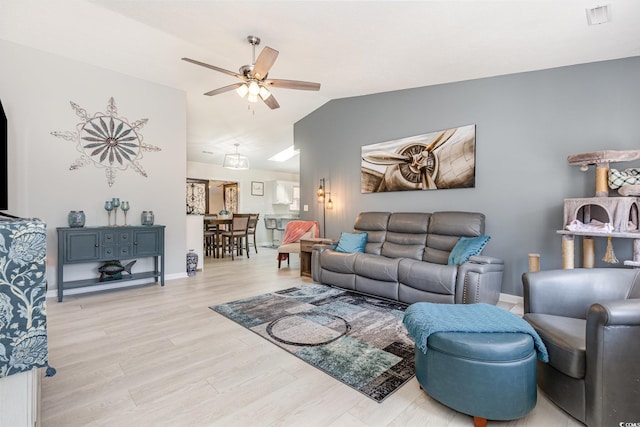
<point x="619" y="216"/>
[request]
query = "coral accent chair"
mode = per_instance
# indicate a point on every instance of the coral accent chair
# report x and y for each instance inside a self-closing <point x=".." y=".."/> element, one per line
<point x="294" y="232"/>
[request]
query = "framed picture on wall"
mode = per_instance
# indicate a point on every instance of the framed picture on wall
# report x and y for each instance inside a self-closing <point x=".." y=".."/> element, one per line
<point x="432" y="161"/>
<point x="257" y="188"/>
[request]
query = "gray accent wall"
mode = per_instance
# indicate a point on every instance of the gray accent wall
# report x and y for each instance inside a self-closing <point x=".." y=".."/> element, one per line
<point x="526" y="126"/>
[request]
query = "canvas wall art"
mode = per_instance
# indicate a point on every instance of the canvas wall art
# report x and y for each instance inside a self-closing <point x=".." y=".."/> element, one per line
<point x="432" y="161"/>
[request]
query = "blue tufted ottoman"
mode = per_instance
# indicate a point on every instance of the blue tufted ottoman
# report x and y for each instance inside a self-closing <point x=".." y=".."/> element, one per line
<point x="488" y="372"/>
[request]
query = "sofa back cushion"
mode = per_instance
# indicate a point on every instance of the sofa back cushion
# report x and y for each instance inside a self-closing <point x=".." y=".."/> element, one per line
<point x="375" y="225"/>
<point x="406" y="235"/>
<point x="446" y="228"/>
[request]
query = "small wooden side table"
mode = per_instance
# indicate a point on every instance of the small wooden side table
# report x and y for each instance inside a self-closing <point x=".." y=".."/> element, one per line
<point x="306" y="248"/>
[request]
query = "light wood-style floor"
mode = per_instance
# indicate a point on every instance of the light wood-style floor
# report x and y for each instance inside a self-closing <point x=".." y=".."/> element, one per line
<point x="158" y="356"/>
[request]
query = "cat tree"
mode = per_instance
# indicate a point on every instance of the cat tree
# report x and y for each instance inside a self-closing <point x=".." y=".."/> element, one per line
<point x="619" y="214"/>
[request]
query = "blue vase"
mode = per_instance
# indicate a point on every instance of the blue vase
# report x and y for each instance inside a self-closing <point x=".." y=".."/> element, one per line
<point x="76" y="219"/>
<point x="192" y="263"/>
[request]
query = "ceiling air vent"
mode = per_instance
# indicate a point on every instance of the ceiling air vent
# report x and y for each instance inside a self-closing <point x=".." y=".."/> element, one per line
<point x="599" y="14"/>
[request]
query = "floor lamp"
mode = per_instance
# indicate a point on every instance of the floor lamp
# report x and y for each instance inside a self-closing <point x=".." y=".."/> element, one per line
<point x="324" y="197"/>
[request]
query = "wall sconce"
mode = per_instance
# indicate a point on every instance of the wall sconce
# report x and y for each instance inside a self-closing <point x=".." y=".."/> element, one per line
<point x="324" y="197"/>
<point x="324" y="194"/>
<point x="321" y="191"/>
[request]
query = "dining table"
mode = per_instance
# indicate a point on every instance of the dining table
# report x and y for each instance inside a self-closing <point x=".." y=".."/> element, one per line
<point x="217" y="226"/>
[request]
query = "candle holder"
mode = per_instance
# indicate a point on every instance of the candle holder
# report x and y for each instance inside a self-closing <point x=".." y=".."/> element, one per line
<point x="125" y="209"/>
<point x="108" y="206"/>
<point x="116" y="202"/>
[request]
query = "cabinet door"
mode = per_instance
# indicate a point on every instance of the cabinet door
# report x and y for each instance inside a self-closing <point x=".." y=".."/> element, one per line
<point x="81" y="245"/>
<point x="146" y="242"/>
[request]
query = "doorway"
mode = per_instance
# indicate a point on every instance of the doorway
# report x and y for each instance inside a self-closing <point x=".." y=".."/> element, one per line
<point x="211" y="196"/>
<point x="223" y="196"/>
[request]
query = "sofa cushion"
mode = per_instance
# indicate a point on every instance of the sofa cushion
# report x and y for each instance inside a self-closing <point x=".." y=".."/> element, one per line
<point x="375" y="224"/>
<point x="394" y="250"/>
<point x="377" y="267"/>
<point x="445" y="229"/>
<point x="466" y="247"/>
<point x="428" y="277"/>
<point x="338" y="262"/>
<point x="351" y="242"/>
<point x="457" y="223"/>
<point x="565" y="340"/>
<point x="406" y="235"/>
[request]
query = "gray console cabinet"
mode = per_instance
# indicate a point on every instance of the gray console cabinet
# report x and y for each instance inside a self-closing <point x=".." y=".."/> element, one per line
<point x="100" y="244"/>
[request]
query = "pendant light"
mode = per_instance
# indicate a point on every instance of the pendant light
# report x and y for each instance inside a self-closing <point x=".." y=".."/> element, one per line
<point x="235" y="160"/>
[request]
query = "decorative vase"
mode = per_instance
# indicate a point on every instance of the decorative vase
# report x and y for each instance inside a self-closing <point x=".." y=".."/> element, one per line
<point x="146" y="218"/>
<point x="192" y="263"/>
<point x="76" y="219"/>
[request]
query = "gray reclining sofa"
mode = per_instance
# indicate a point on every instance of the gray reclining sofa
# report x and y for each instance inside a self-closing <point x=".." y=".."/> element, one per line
<point x="405" y="259"/>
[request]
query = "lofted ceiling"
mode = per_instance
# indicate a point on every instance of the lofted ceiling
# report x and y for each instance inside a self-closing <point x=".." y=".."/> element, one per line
<point x="352" y="48"/>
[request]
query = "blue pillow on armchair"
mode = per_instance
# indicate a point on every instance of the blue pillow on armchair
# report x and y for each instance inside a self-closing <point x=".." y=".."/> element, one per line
<point x="352" y="242"/>
<point x="466" y="247"/>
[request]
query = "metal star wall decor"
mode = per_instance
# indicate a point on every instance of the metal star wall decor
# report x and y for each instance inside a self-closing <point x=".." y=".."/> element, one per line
<point x="108" y="141"/>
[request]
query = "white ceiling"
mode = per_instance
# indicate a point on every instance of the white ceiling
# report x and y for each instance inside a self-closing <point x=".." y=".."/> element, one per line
<point x="351" y="48"/>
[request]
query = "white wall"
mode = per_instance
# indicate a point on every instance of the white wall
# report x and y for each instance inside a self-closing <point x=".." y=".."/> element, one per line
<point x="246" y="202"/>
<point x="36" y="89"/>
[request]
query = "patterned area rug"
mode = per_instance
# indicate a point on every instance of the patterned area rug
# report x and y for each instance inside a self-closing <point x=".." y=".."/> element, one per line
<point x="356" y="339"/>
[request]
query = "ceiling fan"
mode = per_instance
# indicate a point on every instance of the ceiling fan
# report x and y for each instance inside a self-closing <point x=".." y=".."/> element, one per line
<point x="254" y="82"/>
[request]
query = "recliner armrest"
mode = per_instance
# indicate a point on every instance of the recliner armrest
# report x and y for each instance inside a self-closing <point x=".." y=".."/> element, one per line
<point x="615" y="313"/>
<point x="479" y="280"/>
<point x="322" y="246"/>
<point x="612" y="369"/>
<point x="318" y="248"/>
<point x="482" y="259"/>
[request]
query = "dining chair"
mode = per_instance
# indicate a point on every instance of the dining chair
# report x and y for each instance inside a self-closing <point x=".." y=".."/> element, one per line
<point x="236" y="235"/>
<point x="253" y="223"/>
<point x="211" y="244"/>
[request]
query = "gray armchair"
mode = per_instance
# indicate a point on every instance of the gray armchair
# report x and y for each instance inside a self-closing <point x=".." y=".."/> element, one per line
<point x="589" y="320"/>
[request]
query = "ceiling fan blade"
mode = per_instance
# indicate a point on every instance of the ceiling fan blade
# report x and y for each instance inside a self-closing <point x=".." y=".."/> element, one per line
<point x="293" y="84"/>
<point x="213" y="67"/>
<point x="271" y="102"/>
<point x="264" y="62"/>
<point x="224" y="89"/>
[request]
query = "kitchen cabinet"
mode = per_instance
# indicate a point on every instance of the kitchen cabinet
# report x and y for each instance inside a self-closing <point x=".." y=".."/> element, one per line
<point x="284" y="192"/>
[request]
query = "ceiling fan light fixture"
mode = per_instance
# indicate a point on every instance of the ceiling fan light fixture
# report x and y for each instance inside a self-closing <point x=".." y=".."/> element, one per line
<point x="254" y="88"/>
<point x="235" y="160"/>
<point x="254" y="85"/>
<point x="264" y="93"/>
<point x="242" y="91"/>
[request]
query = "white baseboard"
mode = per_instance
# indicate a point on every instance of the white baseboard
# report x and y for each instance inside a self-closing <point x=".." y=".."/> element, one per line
<point x="53" y="293"/>
<point x="513" y="299"/>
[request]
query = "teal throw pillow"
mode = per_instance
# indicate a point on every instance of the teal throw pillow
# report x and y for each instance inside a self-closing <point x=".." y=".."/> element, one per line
<point x="352" y="242"/>
<point x="466" y="247"/>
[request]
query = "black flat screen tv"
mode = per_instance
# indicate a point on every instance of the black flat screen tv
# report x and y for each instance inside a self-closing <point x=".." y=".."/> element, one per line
<point x="4" y="175"/>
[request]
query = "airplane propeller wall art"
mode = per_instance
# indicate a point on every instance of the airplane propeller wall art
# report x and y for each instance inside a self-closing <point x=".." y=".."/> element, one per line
<point x="437" y="160"/>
